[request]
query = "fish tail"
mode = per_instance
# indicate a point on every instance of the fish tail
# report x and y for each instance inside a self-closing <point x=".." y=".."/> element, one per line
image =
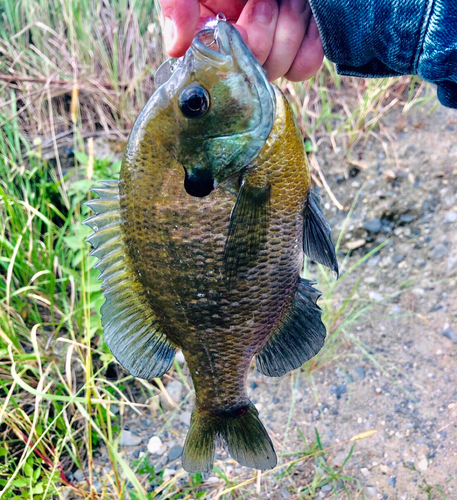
<point x="242" y="432"/>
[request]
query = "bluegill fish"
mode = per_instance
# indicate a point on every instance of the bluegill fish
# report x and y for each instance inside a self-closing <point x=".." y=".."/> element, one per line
<point x="202" y="240"/>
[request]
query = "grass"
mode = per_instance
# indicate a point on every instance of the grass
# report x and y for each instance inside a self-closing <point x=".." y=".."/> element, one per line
<point x="69" y="71"/>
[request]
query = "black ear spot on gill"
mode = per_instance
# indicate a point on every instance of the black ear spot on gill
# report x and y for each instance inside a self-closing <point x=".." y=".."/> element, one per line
<point x="199" y="183"/>
<point x="194" y="101"/>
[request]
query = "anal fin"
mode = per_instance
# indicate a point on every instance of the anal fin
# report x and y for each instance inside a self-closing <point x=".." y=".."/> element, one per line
<point x="248" y="227"/>
<point x="317" y="235"/>
<point x="130" y="327"/>
<point x="298" y="337"/>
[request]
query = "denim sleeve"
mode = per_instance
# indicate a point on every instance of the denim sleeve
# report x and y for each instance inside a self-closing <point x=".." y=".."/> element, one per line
<point x="378" y="38"/>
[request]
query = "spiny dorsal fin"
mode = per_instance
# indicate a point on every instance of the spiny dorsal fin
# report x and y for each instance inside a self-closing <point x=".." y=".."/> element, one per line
<point x="317" y="235"/>
<point x="298" y="337"/>
<point x="131" y="329"/>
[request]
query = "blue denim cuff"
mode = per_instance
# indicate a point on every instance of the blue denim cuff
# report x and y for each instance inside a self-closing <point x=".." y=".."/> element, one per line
<point x="379" y="38"/>
<point x="437" y="60"/>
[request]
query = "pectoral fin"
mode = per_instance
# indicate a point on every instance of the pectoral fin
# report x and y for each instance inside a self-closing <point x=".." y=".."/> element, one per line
<point x="248" y="227"/>
<point x="317" y="235"/>
<point x="298" y="337"/>
<point x="130" y="327"/>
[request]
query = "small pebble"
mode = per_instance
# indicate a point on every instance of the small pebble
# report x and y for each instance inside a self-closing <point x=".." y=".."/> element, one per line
<point x="179" y="356"/>
<point x="392" y="481"/>
<point x="78" y="475"/>
<point x="439" y="252"/>
<point x="376" y="296"/>
<point x="338" y="390"/>
<point x="365" y="472"/>
<point x="185" y="417"/>
<point x="167" y="473"/>
<point x="407" y="218"/>
<point x="397" y="258"/>
<point x="451" y="334"/>
<point x="326" y="488"/>
<point x="154" y="445"/>
<point x="359" y="372"/>
<point x="175" y="452"/>
<point x="353" y="245"/>
<point x="174" y="389"/>
<point x="128" y="438"/>
<point x="370" y="491"/>
<point x="451" y="217"/>
<point x="373" y="225"/>
<point x="422" y="464"/>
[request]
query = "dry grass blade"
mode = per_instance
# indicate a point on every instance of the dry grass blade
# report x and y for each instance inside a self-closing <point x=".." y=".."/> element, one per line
<point x="315" y="165"/>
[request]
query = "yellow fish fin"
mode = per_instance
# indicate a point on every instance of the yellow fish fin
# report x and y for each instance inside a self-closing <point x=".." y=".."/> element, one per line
<point x="248" y="227"/>
<point x="131" y="329"/>
<point x="298" y="337"/>
<point x="317" y="235"/>
<point x="242" y="433"/>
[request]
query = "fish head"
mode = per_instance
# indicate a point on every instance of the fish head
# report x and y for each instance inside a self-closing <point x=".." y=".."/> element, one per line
<point x="223" y="108"/>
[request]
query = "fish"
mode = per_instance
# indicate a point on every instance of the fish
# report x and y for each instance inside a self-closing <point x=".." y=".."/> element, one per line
<point x="202" y="240"/>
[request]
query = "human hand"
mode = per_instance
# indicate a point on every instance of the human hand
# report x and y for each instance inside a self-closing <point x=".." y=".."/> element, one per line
<point x="282" y="35"/>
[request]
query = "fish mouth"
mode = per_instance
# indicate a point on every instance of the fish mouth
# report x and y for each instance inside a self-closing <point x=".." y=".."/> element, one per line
<point x="207" y="44"/>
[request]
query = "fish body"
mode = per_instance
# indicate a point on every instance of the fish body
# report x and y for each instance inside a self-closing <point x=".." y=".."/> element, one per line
<point x="202" y="242"/>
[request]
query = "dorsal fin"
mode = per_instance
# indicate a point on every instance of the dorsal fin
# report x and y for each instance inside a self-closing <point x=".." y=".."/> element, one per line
<point x="131" y="329"/>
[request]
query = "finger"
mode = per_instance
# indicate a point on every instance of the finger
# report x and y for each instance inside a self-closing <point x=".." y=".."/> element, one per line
<point x="290" y="30"/>
<point x="180" y="19"/>
<point x="231" y="9"/>
<point x="309" y="57"/>
<point x="259" y="18"/>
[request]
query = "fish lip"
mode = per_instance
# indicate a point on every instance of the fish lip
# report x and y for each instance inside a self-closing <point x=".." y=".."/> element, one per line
<point x="206" y="50"/>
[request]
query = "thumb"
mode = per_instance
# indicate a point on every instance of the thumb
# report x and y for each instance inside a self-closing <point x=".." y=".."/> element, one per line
<point x="180" y="19"/>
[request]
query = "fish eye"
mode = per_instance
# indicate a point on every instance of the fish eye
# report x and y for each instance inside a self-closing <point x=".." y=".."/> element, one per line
<point x="194" y="101"/>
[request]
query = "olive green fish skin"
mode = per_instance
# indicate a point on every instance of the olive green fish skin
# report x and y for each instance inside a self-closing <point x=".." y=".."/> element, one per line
<point x="176" y="243"/>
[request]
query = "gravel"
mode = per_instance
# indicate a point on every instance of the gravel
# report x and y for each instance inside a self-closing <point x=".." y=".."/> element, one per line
<point x="439" y="252"/>
<point x="451" y="334"/>
<point x="128" y="438"/>
<point x="154" y="445"/>
<point x="451" y="217"/>
<point x="373" y="225"/>
<point x="175" y="452"/>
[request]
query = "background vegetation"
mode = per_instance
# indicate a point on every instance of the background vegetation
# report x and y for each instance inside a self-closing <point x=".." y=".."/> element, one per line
<point x="71" y="71"/>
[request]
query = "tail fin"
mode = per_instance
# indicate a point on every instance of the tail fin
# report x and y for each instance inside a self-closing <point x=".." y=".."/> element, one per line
<point x="242" y="432"/>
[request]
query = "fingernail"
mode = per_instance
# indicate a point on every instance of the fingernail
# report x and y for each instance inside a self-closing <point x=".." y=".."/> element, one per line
<point x="313" y="31"/>
<point x="298" y="5"/>
<point x="263" y="12"/>
<point x="169" y="33"/>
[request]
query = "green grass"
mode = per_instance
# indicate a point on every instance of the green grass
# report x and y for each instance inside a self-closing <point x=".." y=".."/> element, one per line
<point x="69" y="71"/>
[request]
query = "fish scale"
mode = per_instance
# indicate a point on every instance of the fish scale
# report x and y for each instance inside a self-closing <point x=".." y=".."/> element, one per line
<point x="202" y="243"/>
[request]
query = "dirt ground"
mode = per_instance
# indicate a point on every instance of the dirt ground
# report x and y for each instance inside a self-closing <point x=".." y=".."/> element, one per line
<point x="395" y="372"/>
